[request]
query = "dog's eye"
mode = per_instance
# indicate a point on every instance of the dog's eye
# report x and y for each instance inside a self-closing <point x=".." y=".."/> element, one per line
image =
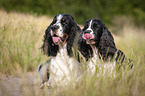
<point x="63" y="21"/>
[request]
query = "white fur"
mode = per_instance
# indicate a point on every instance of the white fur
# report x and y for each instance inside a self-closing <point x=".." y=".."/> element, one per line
<point x="91" y="66"/>
<point x="63" y="69"/>
<point x="60" y="29"/>
<point x="109" y="67"/>
<point x="90" y="29"/>
<point x="102" y="68"/>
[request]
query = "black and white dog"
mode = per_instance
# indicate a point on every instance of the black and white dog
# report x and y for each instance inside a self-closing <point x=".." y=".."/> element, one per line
<point x="59" y="41"/>
<point x="96" y="42"/>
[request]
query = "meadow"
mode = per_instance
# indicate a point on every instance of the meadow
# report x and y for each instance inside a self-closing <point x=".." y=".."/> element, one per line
<point x="21" y="37"/>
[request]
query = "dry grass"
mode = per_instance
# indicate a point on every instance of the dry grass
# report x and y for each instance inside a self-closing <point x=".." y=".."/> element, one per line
<point x="20" y="41"/>
<point x="21" y="38"/>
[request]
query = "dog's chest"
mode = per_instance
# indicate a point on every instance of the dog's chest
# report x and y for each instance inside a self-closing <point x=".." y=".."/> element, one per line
<point x="62" y="66"/>
<point x="96" y="65"/>
<point x="93" y="62"/>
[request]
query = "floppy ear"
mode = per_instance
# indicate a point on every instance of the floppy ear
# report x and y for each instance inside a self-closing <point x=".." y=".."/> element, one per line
<point x="106" y="44"/>
<point x="106" y="38"/>
<point x="48" y="47"/>
<point x="74" y="32"/>
<point x="84" y="48"/>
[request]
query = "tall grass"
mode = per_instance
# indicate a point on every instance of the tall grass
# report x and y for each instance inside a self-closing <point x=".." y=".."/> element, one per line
<point x="21" y="37"/>
<point x="20" y="41"/>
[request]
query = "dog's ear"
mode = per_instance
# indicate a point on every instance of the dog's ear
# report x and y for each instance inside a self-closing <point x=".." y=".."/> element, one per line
<point x="48" y="47"/>
<point x="84" y="48"/>
<point x="106" y="39"/>
<point x="106" y="43"/>
<point x="73" y="36"/>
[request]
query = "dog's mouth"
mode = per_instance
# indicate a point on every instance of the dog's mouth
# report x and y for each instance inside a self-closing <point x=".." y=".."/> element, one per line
<point x="88" y="38"/>
<point x="60" y="40"/>
<point x="56" y="39"/>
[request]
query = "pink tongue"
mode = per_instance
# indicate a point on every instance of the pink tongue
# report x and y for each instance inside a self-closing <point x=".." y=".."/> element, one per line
<point x="56" y="39"/>
<point x="87" y="36"/>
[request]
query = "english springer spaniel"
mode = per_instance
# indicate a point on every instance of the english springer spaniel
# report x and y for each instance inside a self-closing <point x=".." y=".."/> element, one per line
<point x="59" y="40"/>
<point x="95" y="43"/>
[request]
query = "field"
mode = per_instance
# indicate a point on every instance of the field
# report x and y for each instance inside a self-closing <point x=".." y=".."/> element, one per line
<point x="21" y="37"/>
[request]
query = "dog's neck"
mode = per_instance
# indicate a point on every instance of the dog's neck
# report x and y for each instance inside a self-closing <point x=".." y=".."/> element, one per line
<point x="95" y="51"/>
<point x="62" y="50"/>
<point x="93" y="61"/>
<point x="63" y="68"/>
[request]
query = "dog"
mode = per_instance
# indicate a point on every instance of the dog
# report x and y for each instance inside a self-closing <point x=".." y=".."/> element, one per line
<point x="59" y="41"/>
<point x="96" y="43"/>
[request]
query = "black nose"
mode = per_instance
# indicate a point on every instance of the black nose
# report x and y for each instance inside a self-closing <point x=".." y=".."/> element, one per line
<point x="54" y="27"/>
<point x="87" y="31"/>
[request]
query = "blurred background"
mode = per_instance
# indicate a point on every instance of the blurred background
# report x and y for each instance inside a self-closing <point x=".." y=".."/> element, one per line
<point x="82" y="10"/>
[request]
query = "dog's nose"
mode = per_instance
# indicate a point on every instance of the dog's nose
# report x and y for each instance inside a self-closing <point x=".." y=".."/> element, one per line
<point x="87" y="36"/>
<point x="87" y="31"/>
<point x="54" y="27"/>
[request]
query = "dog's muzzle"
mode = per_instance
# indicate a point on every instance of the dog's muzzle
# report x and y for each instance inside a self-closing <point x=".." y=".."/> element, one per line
<point x="88" y="38"/>
<point x="54" y="28"/>
<point x="56" y="39"/>
<point x="60" y="40"/>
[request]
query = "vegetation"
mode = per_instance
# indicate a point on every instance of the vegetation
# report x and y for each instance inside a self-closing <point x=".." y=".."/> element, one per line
<point x="20" y="40"/>
<point x="82" y="10"/>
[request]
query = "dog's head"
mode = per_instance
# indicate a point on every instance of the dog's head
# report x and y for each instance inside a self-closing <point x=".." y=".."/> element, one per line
<point x="95" y="33"/>
<point x="92" y="31"/>
<point x="61" y="31"/>
<point x="61" y="28"/>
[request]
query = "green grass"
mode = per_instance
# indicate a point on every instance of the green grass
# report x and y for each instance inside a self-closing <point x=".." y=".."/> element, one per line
<point x="21" y="37"/>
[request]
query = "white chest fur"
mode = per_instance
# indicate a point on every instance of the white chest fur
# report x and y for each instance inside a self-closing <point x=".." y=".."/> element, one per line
<point x="63" y="69"/>
<point x="93" y="62"/>
<point x="95" y="65"/>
